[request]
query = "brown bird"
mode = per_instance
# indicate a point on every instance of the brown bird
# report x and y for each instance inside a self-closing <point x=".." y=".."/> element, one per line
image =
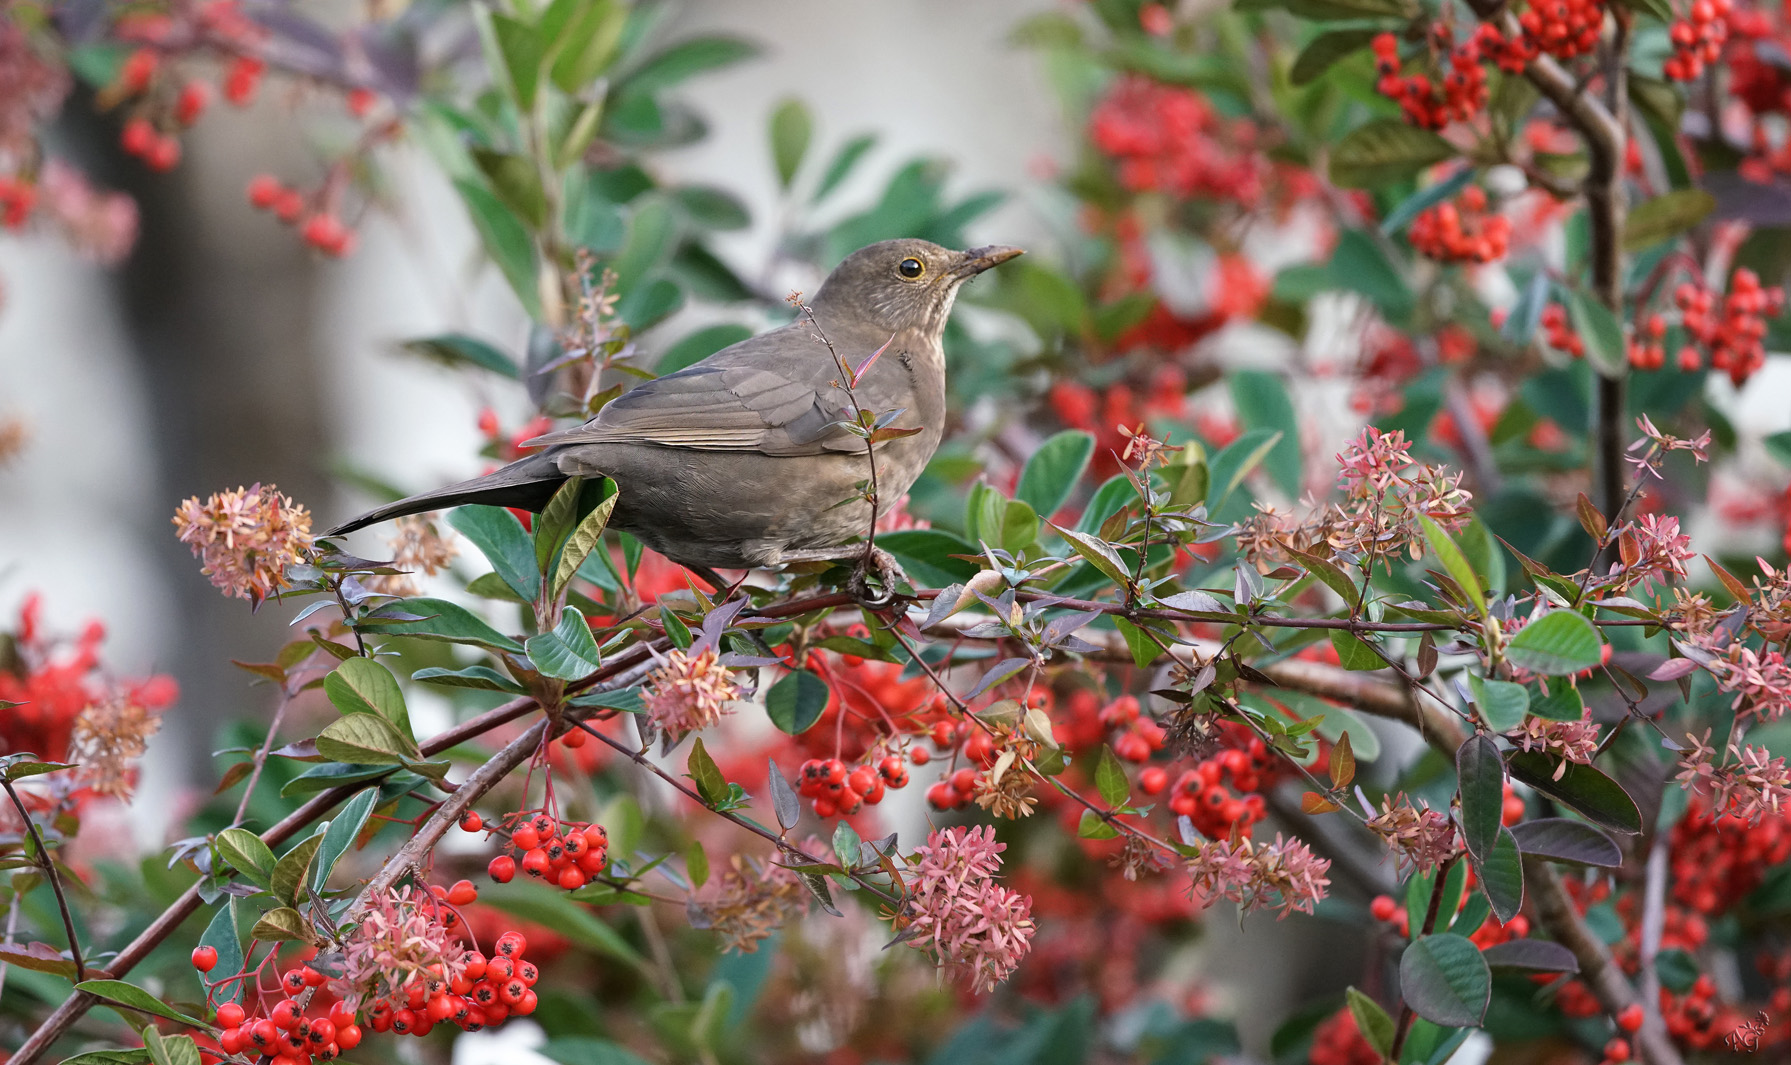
<point x="740" y="461"/>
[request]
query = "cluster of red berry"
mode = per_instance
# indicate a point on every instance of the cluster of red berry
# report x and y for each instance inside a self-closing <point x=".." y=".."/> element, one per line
<point x="322" y="229"/>
<point x="834" y="789"/>
<point x="487" y="991"/>
<point x="1433" y="103"/>
<point x="1648" y="347"/>
<point x="169" y="103"/>
<point x="1697" y="40"/>
<point x="1563" y="28"/>
<point x="285" y="1035"/>
<point x="1557" y="330"/>
<point x="1171" y="139"/>
<point x="1200" y="794"/>
<point x="1717" y="861"/>
<point x="1491" y="932"/>
<point x="567" y="853"/>
<point x="1462" y="231"/>
<point x="1735" y="338"/>
<point x="1139" y="736"/>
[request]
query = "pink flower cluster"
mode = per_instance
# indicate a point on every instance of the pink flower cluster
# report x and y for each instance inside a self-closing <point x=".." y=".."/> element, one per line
<point x="246" y="538"/>
<point x="1421" y="838"/>
<point x="1761" y="681"/>
<point x="1573" y="741"/>
<point x="978" y="929"/>
<point x="402" y="939"/>
<point x="1653" y="549"/>
<point x="1283" y="875"/>
<point x="689" y="692"/>
<point x="100" y="225"/>
<point x="1752" y="786"/>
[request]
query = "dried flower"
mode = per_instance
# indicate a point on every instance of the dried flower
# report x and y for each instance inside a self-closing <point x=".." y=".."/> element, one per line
<point x="689" y="692"/>
<point x="752" y="901"/>
<point x="246" y="538"/>
<point x="1420" y="838"/>
<point x="108" y="738"/>
<point x="1282" y="875"/>
<point x="1140" y="857"/>
<point x="14" y="435"/>
<point x="976" y="928"/>
<point x="1005" y="788"/>
<point x="1750" y="787"/>
<point x="417" y="545"/>
<point x="1573" y="741"/>
<point x="406" y="935"/>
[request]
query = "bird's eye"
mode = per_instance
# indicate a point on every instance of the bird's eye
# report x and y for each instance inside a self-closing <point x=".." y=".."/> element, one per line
<point x="911" y="268"/>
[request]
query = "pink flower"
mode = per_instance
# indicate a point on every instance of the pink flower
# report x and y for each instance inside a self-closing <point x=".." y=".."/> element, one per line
<point x="405" y="935"/>
<point x="1282" y="875"/>
<point x="101" y="225"/>
<point x="1761" y="681"/>
<point x="1370" y="464"/>
<point x="1661" y="551"/>
<point x="246" y="539"/>
<point x="1421" y="838"/>
<point x="1573" y="741"/>
<point x="1751" y="787"/>
<point x="689" y="692"/>
<point x="978" y="929"/>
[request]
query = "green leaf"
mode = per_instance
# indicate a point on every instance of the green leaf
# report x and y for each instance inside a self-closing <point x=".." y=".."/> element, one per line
<point x="553" y="524"/>
<point x="796" y="701"/>
<point x="29" y="768"/>
<point x="1110" y="779"/>
<point x="517" y="183"/>
<point x="1481" y="775"/>
<point x="1562" y="703"/>
<point x="710" y="784"/>
<point x="506" y="240"/>
<point x="135" y="1056"/>
<point x="713" y="208"/>
<point x="583" y="40"/>
<point x="1556" y="644"/>
<point x="170" y="1049"/>
<point x="1145" y="650"/>
<point x="133" y="997"/>
<point x="482" y="678"/>
<point x="1262" y="403"/>
<point x="332" y="774"/>
<point x="246" y="854"/>
<point x="1665" y="217"/>
<point x="1443" y="546"/>
<point x="1361" y="264"/>
<point x="364" y="686"/>
<point x="222" y="935"/>
<point x="1333" y="577"/>
<point x="686" y="59"/>
<point x="569" y="652"/>
<point x="1444" y="980"/>
<point x="1053" y="470"/>
<point x="1501" y="876"/>
<point x="1325" y="50"/>
<point x="1778" y="445"/>
<point x="341" y="833"/>
<point x="1232" y="465"/>
<point x="282" y="925"/>
<point x="556" y="909"/>
<point x="1385" y="151"/>
<point x="1094" y="826"/>
<point x="1503" y="705"/>
<point x="791" y="128"/>
<point x="289" y="872"/>
<point x="1660" y="10"/>
<point x="365" y="740"/>
<point x="440" y="620"/>
<point x="1354" y="653"/>
<point x="1561" y="839"/>
<point x="1099" y="554"/>
<point x="844" y="161"/>
<point x="845" y="845"/>
<point x="457" y="350"/>
<point x="505" y="544"/>
<point x="583" y="1050"/>
<point x="1372" y="1021"/>
<point x="1425" y="198"/>
<point x="1602" y="332"/>
<point x="519" y="46"/>
<point x="927" y="555"/>
<point x="586" y="537"/>
<point x="1583" y="787"/>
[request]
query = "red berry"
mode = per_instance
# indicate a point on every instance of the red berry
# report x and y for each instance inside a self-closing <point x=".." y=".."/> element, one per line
<point x="341" y="1015"/>
<point x="512" y="944"/>
<point x="230" y="1015"/>
<point x="1616" y="1050"/>
<point x="536" y="862"/>
<point x="470" y="822"/>
<point x="293" y="981"/>
<point x="194" y="95"/>
<point x="205" y="959"/>
<point x="1630" y="1020"/>
<point x="285" y="1015"/>
<point x="139" y="137"/>
<point x="264" y="191"/>
<point x="163" y="155"/>
<point x="1383" y="907"/>
<point x="525" y="838"/>
<point x="138" y="70"/>
<point x="348" y="1036"/>
<point x="502" y="868"/>
<point x="572" y="878"/>
<point x="1153" y="780"/>
<point x="462" y="893"/>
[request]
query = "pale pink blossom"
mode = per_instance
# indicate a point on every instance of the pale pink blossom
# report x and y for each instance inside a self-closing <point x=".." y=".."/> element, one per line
<point x="246" y="538"/>
<point x="406" y="935"/>
<point x="977" y="929"/>
<point x="689" y="692"/>
<point x="1370" y="464"/>
<point x="101" y="225"/>
<point x="1760" y="681"/>
<point x="1283" y="875"/>
<point x="1752" y="786"/>
<point x="1573" y="741"/>
<point x="1421" y="838"/>
<point x="1661" y="549"/>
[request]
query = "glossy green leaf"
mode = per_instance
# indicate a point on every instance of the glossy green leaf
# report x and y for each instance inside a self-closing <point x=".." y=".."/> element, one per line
<point x="710" y="784"/>
<point x="1110" y="779"/>
<point x="1384" y="151"/>
<point x="1053" y="470"/>
<point x="438" y="619"/>
<point x="1354" y="653"/>
<point x="1094" y="826"/>
<point x="556" y="909"/>
<point x="482" y="678"/>
<point x="246" y="854"/>
<point x="282" y="925"/>
<point x="1583" y="787"/>
<point x="505" y="544"/>
<point x="843" y="163"/>
<point x="1502" y="704"/>
<point x="1481" y="776"/>
<point x="133" y="997"/>
<point x="1262" y="403"/>
<point x="796" y="701"/>
<point x="364" y="686"/>
<point x="586" y="537"/>
<point x="1230" y="466"/>
<point x="222" y="935"/>
<point x="1444" y="979"/>
<point x="506" y="240"/>
<point x="365" y="739"/>
<point x="1556" y="644"/>
<point x="288" y="881"/>
<point x="1371" y="1020"/>
<point x="1323" y="51"/>
<point x="569" y="652"/>
<point x="1444" y="547"/>
<point x="342" y="831"/>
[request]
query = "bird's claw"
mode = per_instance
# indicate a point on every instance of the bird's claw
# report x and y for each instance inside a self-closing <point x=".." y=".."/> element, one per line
<point x="889" y="575"/>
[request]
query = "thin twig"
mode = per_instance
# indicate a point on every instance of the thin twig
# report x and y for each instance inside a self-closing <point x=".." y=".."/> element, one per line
<point x="48" y="865"/>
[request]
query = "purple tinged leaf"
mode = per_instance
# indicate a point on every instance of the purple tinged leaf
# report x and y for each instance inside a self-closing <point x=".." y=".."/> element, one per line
<point x="783" y="798"/>
<point x="1482" y="780"/>
<point x="1583" y="787"/>
<point x="1673" y="669"/>
<point x="1444" y="980"/>
<point x="1001" y="671"/>
<point x="1561" y="839"/>
<point x="1531" y="955"/>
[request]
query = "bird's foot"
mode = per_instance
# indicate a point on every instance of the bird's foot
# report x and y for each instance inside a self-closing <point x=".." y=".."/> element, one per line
<point x="877" y="579"/>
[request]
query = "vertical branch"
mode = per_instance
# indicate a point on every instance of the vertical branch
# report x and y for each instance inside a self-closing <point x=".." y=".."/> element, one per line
<point x="48" y="865"/>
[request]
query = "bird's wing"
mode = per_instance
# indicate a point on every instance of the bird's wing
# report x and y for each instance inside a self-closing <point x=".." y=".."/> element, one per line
<point x="721" y="407"/>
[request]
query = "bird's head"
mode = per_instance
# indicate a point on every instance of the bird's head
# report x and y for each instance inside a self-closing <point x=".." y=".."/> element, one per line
<point x="898" y="285"/>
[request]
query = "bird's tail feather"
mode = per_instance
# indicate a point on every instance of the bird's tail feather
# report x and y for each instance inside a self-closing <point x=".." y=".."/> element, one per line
<point x="527" y="483"/>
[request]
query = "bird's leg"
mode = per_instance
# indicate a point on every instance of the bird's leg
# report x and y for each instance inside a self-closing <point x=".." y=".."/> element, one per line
<point x="878" y="561"/>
